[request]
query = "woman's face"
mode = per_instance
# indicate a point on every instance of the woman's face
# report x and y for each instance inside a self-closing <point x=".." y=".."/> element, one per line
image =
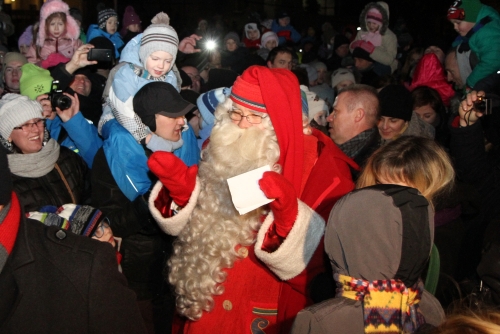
<point x="56" y="27"/>
<point x="231" y="45"/>
<point x="426" y="114"/>
<point x="159" y="63"/>
<point x="390" y="127"/>
<point x="28" y="137"/>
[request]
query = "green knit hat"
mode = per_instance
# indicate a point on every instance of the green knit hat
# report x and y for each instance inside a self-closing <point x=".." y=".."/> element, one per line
<point x="34" y="81"/>
<point x="466" y="10"/>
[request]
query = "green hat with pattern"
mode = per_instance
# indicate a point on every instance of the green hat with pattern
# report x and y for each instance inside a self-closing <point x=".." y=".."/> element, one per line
<point x="34" y="81"/>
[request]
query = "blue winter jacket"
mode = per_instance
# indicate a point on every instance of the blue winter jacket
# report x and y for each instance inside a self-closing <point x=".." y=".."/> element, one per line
<point x="95" y="31"/>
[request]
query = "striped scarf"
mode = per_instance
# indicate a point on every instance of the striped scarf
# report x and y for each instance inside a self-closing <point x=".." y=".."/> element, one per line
<point x="10" y="216"/>
<point x="389" y="306"/>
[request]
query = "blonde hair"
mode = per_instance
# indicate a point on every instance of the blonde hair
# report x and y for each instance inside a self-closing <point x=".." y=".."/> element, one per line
<point x="471" y="322"/>
<point x="207" y="245"/>
<point x="52" y="16"/>
<point x="418" y="162"/>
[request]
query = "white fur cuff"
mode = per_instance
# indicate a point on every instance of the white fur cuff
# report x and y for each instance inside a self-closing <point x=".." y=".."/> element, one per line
<point x="292" y="257"/>
<point x="173" y="225"/>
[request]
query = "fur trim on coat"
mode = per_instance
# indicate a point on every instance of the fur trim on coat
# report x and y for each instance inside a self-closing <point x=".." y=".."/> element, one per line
<point x="383" y="8"/>
<point x="57" y="6"/>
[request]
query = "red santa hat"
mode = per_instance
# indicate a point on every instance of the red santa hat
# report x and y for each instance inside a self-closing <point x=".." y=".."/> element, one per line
<point x="276" y="92"/>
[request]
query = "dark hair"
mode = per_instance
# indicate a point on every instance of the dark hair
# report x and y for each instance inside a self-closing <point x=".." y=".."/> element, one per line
<point x="301" y="75"/>
<point x="424" y="95"/>
<point x="274" y="52"/>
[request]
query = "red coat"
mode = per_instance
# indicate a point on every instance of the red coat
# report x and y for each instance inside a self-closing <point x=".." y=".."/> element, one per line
<point x="255" y="299"/>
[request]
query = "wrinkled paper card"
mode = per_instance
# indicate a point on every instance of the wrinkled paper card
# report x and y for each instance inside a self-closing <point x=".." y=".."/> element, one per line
<point x="245" y="190"/>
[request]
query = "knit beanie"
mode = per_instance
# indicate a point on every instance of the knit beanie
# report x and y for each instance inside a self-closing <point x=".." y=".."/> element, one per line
<point x="159" y="36"/>
<point x="26" y="37"/>
<point x="6" y="179"/>
<point x="34" y="81"/>
<point x="129" y="17"/>
<point x="15" y="110"/>
<point x="232" y="35"/>
<point x="160" y="98"/>
<point x="207" y="102"/>
<point x="268" y="36"/>
<point x="276" y="92"/>
<point x="250" y="27"/>
<point x="103" y="16"/>
<point x="13" y="56"/>
<point x="76" y="14"/>
<point x="464" y="10"/>
<point x="374" y="16"/>
<point x="340" y="40"/>
<point x="342" y="74"/>
<point x="396" y="102"/>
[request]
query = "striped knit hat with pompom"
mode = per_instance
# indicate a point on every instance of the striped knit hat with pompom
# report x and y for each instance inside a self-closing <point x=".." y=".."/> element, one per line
<point x="159" y="36"/>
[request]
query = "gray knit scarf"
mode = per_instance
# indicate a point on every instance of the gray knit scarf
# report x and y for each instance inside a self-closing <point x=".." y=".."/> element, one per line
<point x="35" y="164"/>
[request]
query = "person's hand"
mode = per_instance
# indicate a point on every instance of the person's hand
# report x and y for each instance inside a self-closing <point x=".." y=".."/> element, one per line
<point x="468" y="115"/>
<point x="284" y="207"/>
<point x="79" y="59"/>
<point x="66" y="114"/>
<point x="188" y="44"/>
<point x="46" y="106"/>
<point x="175" y="176"/>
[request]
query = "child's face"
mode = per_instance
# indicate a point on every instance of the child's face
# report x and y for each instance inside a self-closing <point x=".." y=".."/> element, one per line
<point x="253" y="35"/>
<point x="284" y="21"/>
<point x="105" y="234"/>
<point x="159" y="63"/>
<point x="23" y="49"/>
<point x="271" y="44"/>
<point x="134" y="27"/>
<point x="56" y="27"/>
<point x="112" y="25"/>
<point x="231" y="45"/>
<point x="462" y="27"/>
<point x="372" y="26"/>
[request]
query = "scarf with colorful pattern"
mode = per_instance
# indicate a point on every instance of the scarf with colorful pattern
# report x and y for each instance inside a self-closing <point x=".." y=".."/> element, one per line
<point x="388" y="305"/>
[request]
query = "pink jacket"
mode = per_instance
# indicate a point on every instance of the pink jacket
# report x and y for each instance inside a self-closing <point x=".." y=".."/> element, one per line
<point x="63" y="45"/>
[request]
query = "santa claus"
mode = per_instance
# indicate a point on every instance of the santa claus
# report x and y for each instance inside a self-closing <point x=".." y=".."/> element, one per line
<point x="249" y="273"/>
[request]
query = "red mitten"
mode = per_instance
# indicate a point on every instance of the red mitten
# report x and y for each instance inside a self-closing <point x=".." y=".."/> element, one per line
<point x="284" y="206"/>
<point x="356" y="44"/>
<point x="174" y="175"/>
<point x="368" y="46"/>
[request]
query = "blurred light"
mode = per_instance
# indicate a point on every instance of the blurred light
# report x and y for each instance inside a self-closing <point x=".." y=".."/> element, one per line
<point x="358" y="28"/>
<point x="210" y="45"/>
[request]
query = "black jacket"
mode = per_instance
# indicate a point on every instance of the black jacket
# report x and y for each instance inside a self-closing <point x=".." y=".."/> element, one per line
<point x="51" y="189"/>
<point x="58" y="282"/>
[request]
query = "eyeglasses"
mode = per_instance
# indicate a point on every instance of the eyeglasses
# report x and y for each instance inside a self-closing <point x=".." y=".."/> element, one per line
<point x="27" y="127"/>
<point x="251" y="118"/>
<point x="99" y="232"/>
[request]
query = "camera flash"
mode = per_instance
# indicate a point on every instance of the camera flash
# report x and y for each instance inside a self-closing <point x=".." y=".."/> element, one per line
<point x="210" y="45"/>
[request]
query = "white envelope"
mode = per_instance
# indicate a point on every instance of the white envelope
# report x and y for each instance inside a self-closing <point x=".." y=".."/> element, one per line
<point x="245" y="191"/>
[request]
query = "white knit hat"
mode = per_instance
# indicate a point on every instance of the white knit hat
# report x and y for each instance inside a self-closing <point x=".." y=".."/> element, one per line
<point x="268" y="36"/>
<point x="340" y="75"/>
<point x="15" y="110"/>
<point x="159" y="36"/>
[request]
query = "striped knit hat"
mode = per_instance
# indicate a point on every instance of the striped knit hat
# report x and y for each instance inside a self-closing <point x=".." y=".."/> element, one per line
<point x="159" y="36"/>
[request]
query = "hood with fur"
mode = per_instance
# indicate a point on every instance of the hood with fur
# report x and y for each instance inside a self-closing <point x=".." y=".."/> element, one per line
<point x="57" y="6"/>
<point x="383" y="8"/>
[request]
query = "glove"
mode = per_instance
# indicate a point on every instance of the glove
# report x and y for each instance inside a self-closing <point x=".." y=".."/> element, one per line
<point x="284" y="207"/>
<point x="367" y="46"/>
<point x="175" y="176"/>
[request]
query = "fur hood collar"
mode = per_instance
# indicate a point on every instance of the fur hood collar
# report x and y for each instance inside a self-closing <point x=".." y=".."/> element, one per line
<point x="57" y="6"/>
<point x="383" y="8"/>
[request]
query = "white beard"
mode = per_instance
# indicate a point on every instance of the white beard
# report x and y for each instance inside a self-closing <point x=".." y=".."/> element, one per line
<point x="207" y="244"/>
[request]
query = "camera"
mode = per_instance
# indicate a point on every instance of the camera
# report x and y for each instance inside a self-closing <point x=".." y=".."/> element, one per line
<point x="57" y="98"/>
<point x="483" y="105"/>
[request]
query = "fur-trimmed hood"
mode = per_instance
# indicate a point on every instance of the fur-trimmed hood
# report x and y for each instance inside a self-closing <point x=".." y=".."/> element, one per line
<point x="57" y="6"/>
<point x="383" y="8"/>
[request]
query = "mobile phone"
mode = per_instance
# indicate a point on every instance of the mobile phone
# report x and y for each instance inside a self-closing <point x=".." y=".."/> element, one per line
<point x="100" y="54"/>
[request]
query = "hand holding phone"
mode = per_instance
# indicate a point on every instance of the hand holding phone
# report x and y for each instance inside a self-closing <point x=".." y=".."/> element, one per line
<point x="100" y="54"/>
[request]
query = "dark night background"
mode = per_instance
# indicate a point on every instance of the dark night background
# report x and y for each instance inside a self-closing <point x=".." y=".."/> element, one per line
<point x="425" y="19"/>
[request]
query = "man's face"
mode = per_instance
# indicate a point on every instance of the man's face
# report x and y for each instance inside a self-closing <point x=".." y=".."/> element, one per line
<point x="452" y="71"/>
<point x="12" y="75"/>
<point x="169" y="128"/>
<point x="81" y="84"/>
<point x="362" y="64"/>
<point x="282" y="60"/>
<point x="246" y="118"/>
<point x="462" y="27"/>
<point x="195" y="77"/>
<point x="341" y="121"/>
<point x="437" y="51"/>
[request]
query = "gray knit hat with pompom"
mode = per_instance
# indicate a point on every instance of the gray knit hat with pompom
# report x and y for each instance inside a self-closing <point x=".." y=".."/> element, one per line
<point x="159" y="36"/>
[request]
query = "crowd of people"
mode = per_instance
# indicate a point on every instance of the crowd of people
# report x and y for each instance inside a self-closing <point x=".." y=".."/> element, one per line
<point x="277" y="182"/>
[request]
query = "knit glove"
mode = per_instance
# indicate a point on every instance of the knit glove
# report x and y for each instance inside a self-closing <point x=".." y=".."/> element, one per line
<point x="367" y="46"/>
<point x="284" y="207"/>
<point x="175" y="176"/>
